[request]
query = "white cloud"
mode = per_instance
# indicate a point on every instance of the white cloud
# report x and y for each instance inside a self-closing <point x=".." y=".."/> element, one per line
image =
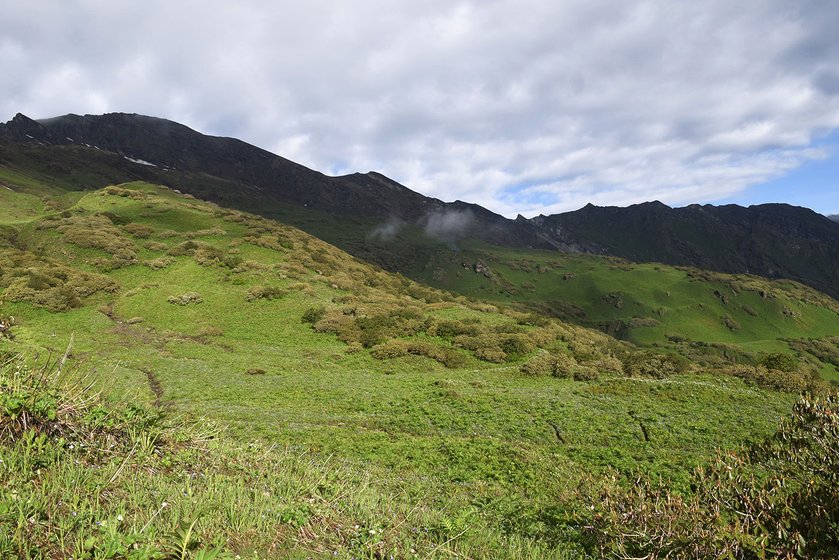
<point x="522" y="106"/>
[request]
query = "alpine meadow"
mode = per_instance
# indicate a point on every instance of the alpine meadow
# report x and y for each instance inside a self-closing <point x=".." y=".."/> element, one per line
<point x="226" y="355"/>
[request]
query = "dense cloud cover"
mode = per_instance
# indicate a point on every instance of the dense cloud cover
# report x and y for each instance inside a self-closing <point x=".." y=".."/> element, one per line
<point x="522" y="106"/>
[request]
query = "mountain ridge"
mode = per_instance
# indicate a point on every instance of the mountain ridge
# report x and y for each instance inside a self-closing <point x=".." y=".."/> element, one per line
<point x="771" y="240"/>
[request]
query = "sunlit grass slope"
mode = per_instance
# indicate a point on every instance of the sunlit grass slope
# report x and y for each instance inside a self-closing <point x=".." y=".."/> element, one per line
<point x="697" y="311"/>
<point x="483" y="418"/>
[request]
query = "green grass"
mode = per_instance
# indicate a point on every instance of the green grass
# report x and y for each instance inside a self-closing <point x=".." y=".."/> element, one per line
<point x="477" y="453"/>
<point x="647" y="304"/>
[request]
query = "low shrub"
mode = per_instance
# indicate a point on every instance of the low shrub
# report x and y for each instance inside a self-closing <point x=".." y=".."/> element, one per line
<point x="517" y="345"/>
<point x="389" y="350"/>
<point x="155" y="246"/>
<point x="655" y="365"/>
<point x="183" y="249"/>
<point x="450" y="329"/>
<point x="26" y="278"/>
<point x="794" y="381"/>
<point x="159" y="263"/>
<point x="313" y="315"/>
<point x="186" y="299"/>
<point x="492" y="354"/>
<point x="6" y="324"/>
<point x="780" y="362"/>
<point x="264" y="292"/>
<point x="139" y="230"/>
<point x="123" y="192"/>
<point x="542" y="364"/>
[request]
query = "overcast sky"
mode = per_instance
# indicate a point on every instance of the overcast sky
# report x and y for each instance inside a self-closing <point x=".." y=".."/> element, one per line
<point x="531" y="106"/>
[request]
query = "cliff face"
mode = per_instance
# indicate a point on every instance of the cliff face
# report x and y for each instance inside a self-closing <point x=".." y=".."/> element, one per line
<point x="773" y="240"/>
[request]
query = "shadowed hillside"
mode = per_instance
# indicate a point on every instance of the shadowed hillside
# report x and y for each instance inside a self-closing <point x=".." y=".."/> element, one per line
<point x="772" y="240"/>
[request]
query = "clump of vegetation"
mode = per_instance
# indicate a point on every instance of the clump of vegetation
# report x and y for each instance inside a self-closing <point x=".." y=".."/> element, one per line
<point x="6" y="324"/>
<point x="155" y="246"/>
<point x="825" y="350"/>
<point x="653" y="364"/>
<point x="780" y="362"/>
<point x="396" y="348"/>
<point x="139" y="230"/>
<point x="796" y="380"/>
<point x="778" y="498"/>
<point x="186" y="299"/>
<point x="493" y="354"/>
<point x="542" y="364"/>
<point x="390" y="350"/>
<point x="215" y="231"/>
<point x="558" y="365"/>
<point x="265" y="292"/>
<point x="96" y="232"/>
<point x="183" y="249"/>
<point x="159" y="263"/>
<point x="117" y="190"/>
<point x="313" y="314"/>
<point x="43" y="283"/>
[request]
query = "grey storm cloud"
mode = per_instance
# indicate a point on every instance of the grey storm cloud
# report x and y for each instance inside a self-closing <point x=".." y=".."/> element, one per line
<point x="519" y="105"/>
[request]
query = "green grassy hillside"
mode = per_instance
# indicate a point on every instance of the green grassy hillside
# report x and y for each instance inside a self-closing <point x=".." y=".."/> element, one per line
<point x="710" y="316"/>
<point x="445" y="425"/>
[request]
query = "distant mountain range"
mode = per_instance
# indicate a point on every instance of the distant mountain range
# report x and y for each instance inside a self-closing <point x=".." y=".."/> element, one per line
<point x="361" y="212"/>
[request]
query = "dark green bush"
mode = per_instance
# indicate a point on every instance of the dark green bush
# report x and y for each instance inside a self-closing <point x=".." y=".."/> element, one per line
<point x="451" y="329"/>
<point x="517" y="345"/>
<point x="313" y="315"/>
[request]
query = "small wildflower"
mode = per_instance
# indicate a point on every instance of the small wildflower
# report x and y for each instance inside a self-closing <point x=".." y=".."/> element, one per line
<point x="119" y="518"/>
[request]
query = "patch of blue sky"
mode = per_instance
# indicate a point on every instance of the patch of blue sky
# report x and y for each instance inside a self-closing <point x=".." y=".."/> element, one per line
<point x="529" y="193"/>
<point x="814" y="184"/>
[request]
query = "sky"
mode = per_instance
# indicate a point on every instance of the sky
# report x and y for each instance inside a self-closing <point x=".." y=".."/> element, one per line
<point x="525" y="106"/>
